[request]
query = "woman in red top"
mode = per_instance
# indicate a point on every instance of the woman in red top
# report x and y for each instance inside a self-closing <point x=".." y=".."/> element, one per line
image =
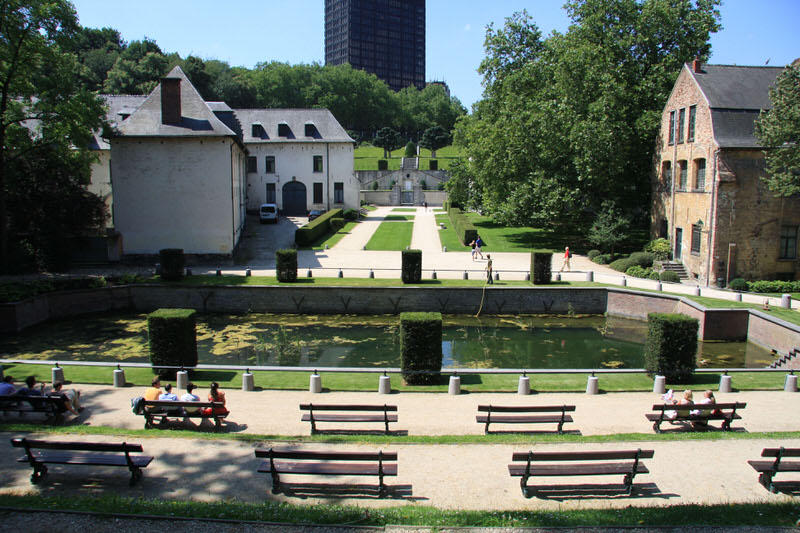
<point x="216" y="395"/>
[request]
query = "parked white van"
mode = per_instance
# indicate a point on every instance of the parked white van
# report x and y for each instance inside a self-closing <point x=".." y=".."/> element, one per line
<point x="268" y="213"/>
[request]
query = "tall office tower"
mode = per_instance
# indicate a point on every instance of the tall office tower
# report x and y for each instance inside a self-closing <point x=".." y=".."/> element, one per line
<point x="384" y="37"/>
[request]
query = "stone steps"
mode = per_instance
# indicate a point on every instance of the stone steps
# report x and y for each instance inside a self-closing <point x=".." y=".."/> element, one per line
<point x="674" y="266"/>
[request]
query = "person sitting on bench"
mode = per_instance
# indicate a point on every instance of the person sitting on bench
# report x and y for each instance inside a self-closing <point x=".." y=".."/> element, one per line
<point x="216" y="395"/>
<point x="169" y="396"/>
<point x="190" y="397"/>
<point x="30" y="387"/>
<point x="708" y="399"/>
<point x="7" y="386"/>
<point x="68" y="402"/>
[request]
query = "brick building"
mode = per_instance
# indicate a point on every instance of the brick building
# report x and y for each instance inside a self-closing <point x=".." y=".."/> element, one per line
<point x="708" y="195"/>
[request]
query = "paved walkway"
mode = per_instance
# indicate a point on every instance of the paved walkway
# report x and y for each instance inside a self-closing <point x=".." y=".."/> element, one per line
<point x="451" y="476"/>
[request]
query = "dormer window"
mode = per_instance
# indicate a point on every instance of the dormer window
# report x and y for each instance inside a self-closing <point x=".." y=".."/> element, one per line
<point x="283" y="130"/>
<point x="311" y="130"/>
<point x="258" y="130"/>
<point x="123" y="116"/>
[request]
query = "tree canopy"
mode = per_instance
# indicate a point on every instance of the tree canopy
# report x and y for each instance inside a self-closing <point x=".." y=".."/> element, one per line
<point x="569" y="120"/>
<point x="779" y="131"/>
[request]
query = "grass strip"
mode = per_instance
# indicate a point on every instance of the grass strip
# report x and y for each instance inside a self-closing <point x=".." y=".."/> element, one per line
<point x="747" y="514"/>
<point x="448" y="236"/>
<point x="398" y="218"/>
<point x="404" y="210"/>
<point x="391" y="236"/>
<point x="332" y="239"/>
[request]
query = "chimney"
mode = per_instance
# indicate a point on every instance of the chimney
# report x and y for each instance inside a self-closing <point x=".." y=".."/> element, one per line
<point x="697" y="65"/>
<point x="170" y="100"/>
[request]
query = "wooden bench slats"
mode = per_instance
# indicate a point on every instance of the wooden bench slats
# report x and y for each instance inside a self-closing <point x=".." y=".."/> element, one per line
<point x="327" y="456"/>
<point x="356" y="407"/>
<point x="78" y="446"/>
<point x="82" y="459"/>
<point x="691" y="418"/>
<point x="330" y="469"/>
<point x="512" y="415"/>
<point x="769" y="466"/>
<point x="507" y="419"/>
<point x="168" y="409"/>
<point x="581" y="469"/>
<point x="348" y="413"/>
<point x="706" y="413"/>
<point x="782" y="452"/>
<point x="582" y="456"/>
<point x="525" y="408"/>
<point x="48" y="405"/>
<point x="768" y="469"/>
<point x="349" y="418"/>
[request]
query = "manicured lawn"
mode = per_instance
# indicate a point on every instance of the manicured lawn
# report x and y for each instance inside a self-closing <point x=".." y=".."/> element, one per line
<point x="396" y="218"/>
<point x="448" y="236"/>
<point x="404" y="210"/>
<point x="332" y="239"/>
<point x="391" y="236"/>
<point x="366" y="158"/>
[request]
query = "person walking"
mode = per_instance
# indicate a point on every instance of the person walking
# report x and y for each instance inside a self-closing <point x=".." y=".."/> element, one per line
<point x="489" y="269"/>
<point x="478" y="246"/>
<point x="567" y="257"/>
<point x="472" y="244"/>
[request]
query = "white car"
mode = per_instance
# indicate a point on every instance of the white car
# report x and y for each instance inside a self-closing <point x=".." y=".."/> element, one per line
<point x="268" y="213"/>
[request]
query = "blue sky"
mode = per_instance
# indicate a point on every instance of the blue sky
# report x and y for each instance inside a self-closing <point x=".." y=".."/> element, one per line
<point x="246" y="32"/>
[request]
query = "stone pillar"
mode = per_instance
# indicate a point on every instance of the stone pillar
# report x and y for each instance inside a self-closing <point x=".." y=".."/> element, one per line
<point x="119" y="377"/>
<point x="524" y="386"/>
<point x="593" y="385"/>
<point x="455" y="386"/>
<point x="725" y="383"/>
<point x="182" y="379"/>
<point x="660" y="385"/>
<point x="790" y="385"/>
<point x="385" y="385"/>
<point x="57" y="374"/>
<point x="315" y="383"/>
<point x="248" y="381"/>
<point x="786" y="301"/>
<point x="590" y="276"/>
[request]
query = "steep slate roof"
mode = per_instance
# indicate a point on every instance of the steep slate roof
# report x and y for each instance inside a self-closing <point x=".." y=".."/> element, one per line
<point x="197" y="119"/>
<point x="117" y="105"/>
<point x="328" y="128"/>
<point x="736" y="96"/>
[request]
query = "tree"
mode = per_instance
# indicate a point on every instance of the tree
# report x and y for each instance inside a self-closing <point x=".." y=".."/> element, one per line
<point x="435" y="138"/>
<point x="46" y="123"/>
<point x="138" y="69"/>
<point x="610" y="229"/>
<point x="389" y="140"/>
<point x="779" y="132"/>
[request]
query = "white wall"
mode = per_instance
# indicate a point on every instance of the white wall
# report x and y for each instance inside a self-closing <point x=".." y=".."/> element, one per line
<point x="296" y="160"/>
<point x="176" y="193"/>
<point x="101" y="181"/>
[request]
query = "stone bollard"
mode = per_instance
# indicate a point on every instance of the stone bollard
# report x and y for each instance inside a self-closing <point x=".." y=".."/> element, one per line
<point x="658" y="286"/>
<point x="593" y="385"/>
<point x="433" y="276"/>
<point x="248" y="273"/>
<point x="557" y="276"/>
<point x="737" y="296"/>
<point x="524" y="386"/>
<point x="790" y="385"/>
<point x="497" y="276"/>
<point x="660" y="385"/>
<point x="696" y="291"/>
<point x="308" y="274"/>
<point x="181" y="379"/>
<point x="466" y="276"/>
<point x="527" y="276"/>
<point x="590" y="276"/>
<point x="119" y="377"/>
<point x="444" y="248"/>
<point x="624" y="282"/>
<point x="371" y="274"/>
<point x="455" y="386"/>
<point x="341" y="274"/>
<point x="725" y="383"/>
<point x="315" y="383"/>
<point x="248" y="382"/>
<point x="786" y="301"/>
<point x="57" y="374"/>
<point x="385" y="385"/>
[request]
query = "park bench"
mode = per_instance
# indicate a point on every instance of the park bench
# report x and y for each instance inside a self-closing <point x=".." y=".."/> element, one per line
<point x="599" y="463"/>
<point x="715" y="411"/>
<point x="768" y="469"/>
<point x="376" y="464"/>
<point x="348" y="413"/>
<point x="512" y="415"/>
<point x="165" y="409"/>
<point x="81" y="453"/>
<point x="51" y="406"/>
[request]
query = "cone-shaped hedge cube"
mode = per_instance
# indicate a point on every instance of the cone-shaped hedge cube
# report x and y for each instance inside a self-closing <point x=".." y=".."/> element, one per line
<point x="173" y="340"/>
<point x="412" y="266"/>
<point x="541" y="267"/>
<point x="421" y="345"/>
<point x="671" y="346"/>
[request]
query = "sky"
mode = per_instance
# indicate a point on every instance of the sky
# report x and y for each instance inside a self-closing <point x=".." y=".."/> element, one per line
<point x="247" y="32"/>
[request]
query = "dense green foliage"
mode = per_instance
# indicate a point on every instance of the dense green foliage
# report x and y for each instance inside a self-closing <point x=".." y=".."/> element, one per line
<point x="465" y="229"/>
<point x="670" y="276"/>
<point x="389" y="140"/>
<point x="412" y="266"/>
<point x="173" y="261"/>
<point x="779" y="130"/>
<point x="411" y="150"/>
<point x="660" y="248"/>
<point x="421" y="347"/>
<point x="435" y="138"/>
<point x="306" y="235"/>
<point x="610" y="228"/>
<point x="286" y="265"/>
<point x="772" y="286"/>
<point x="173" y="340"/>
<point x="671" y="346"/>
<point x="738" y="284"/>
<point x="541" y="267"/>
<point x="570" y="119"/>
<point x="46" y="123"/>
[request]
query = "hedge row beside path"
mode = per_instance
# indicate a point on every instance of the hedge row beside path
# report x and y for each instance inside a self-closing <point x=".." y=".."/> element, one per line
<point x="466" y="230"/>
<point x="331" y="221"/>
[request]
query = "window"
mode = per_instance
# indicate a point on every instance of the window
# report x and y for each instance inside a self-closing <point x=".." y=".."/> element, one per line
<point x="666" y="175"/>
<point x="692" y="120"/>
<point x="252" y="164"/>
<point x="269" y="163"/>
<point x="317" y="193"/>
<point x="283" y="130"/>
<point x="700" y="177"/>
<point x="697" y="232"/>
<point x="311" y="130"/>
<point x="682" y="168"/>
<point x="338" y="193"/>
<point x="788" y="242"/>
<point x="317" y="163"/>
<point x="270" y="193"/>
<point x="257" y="130"/>
<point x="681" y="123"/>
<point x="672" y="127"/>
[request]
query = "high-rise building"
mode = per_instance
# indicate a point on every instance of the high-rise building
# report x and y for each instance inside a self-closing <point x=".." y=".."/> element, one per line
<point x="384" y="37"/>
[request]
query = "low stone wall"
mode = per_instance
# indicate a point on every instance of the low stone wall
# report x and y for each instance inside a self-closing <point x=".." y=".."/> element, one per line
<point x="772" y="333"/>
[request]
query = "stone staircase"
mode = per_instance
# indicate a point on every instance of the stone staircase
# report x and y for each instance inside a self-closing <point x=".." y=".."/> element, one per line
<point x="410" y="163"/>
<point x="790" y="361"/>
<point x="677" y="267"/>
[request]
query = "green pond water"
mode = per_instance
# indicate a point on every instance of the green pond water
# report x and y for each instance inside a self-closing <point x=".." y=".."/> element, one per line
<point x="356" y="341"/>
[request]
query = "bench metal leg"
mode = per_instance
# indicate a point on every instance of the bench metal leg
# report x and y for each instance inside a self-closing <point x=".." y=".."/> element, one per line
<point x="527" y="492"/>
<point x="276" y="483"/>
<point x="486" y="429"/>
<point x="628" y="481"/>
<point x="561" y="428"/>
<point x="136" y="475"/>
<point x="39" y="473"/>
<point x="657" y="426"/>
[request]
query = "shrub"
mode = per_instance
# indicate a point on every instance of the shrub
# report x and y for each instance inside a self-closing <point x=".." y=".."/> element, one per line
<point x="622" y="264"/>
<point x="423" y="185"/>
<point x="637" y="272"/>
<point x="411" y="149"/>
<point x="172" y="263"/>
<point x="652" y="274"/>
<point x="392" y="184"/>
<point x="383" y="164"/>
<point x="173" y="340"/>
<point x="421" y="346"/>
<point x="314" y="230"/>
<point x="602" y="259"/>
<point x="593" y="253"/>
<point x="671" y="346"/>
<point x="541" y="267"/>
<point x="286" y="265"/>
<point x="660" y="248"/>
<point x="411" y="266"/>
<point x="670" y="277"/>
<point x="738" y="284"/>
<point x="98" y="282"/>
<point x="375" y="183"/>
<point x="350" y="214"/>
<point x="643" y="259"/>
<point x="439" y="187"/>
<point x="774" y="286"/>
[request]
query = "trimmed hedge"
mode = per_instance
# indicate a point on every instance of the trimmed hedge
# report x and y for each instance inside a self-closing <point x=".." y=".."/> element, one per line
<point x="593" y="253"/>
<point x="317" y="228"/>
<point x="541" y="267"/>
<point x="670" y="276"/>
<point x="286" y="265"/>
<point x="738" y="284"/>
<point x="172" y="263"/>
<point x="643" y="259"/>
<point x="466" y="231"/>
<point x="421" y="347"/>
<point x="383" y="164"/>
<point x="671" y="346"/>
<point x="412" y="266"/>
<point x="773" y="286"/>
<point x="173" y="340"/>
<point x="622" y="265"/>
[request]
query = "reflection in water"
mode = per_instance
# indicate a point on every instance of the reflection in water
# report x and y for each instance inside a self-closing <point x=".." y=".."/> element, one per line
<point x="355" y="341"/>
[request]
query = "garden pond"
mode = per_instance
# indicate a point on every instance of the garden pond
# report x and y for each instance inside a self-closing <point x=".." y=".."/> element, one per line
<point x="528" y="342"/>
